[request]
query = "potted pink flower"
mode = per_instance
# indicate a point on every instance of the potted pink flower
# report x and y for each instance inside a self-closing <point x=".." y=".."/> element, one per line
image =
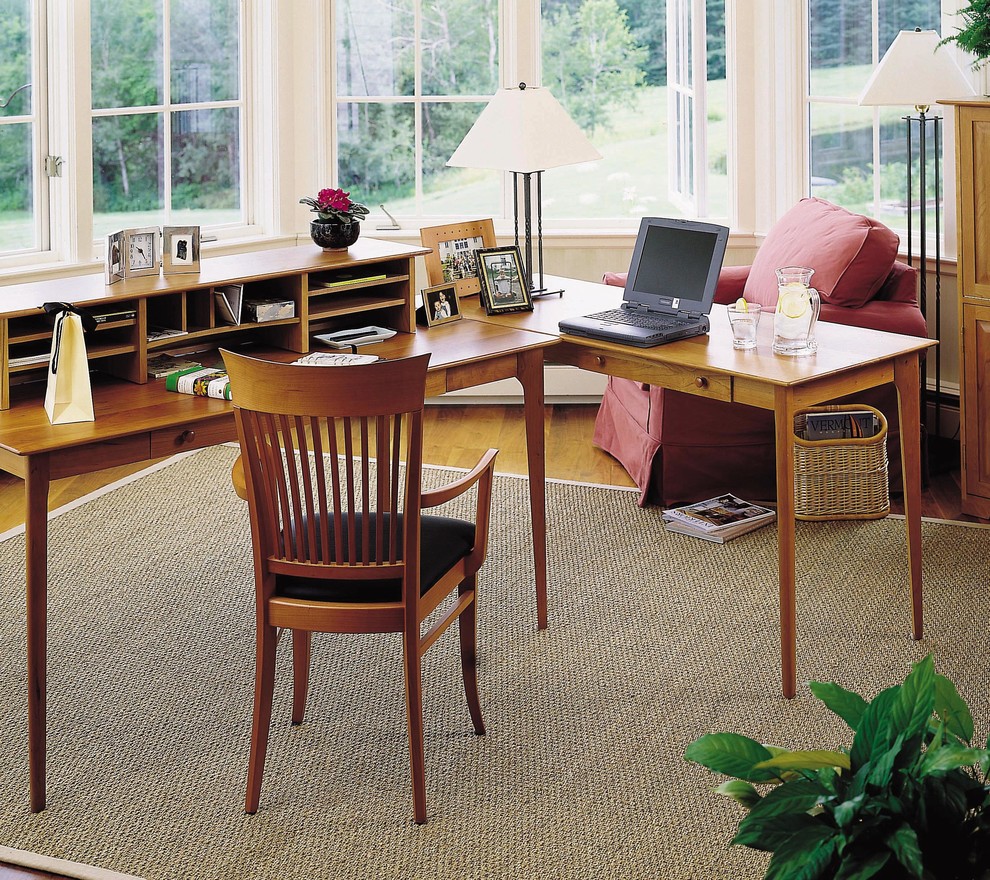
<point x="338" y="222"/>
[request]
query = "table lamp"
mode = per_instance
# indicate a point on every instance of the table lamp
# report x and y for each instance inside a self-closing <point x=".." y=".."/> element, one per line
<point x="525" y="130"/>
<point x="916" y="72"/>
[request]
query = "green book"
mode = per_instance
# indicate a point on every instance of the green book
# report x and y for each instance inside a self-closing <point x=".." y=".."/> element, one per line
<point x="201" y="381"/>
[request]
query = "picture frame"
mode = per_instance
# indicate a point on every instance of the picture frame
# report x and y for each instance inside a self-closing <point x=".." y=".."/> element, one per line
<point x="180" y="249"/>
<point x="451" y="257"/>
<point x="141" y="251"/>
<point x="440" y="305"/>
<point x="503" y="282"/>
<point x="113" y="262"/>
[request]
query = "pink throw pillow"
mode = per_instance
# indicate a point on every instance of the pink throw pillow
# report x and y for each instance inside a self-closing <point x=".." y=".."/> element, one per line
<point x="851" y="254"/>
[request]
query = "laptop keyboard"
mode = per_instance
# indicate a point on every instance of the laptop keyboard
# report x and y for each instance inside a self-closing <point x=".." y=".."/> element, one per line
<point x="635" y="319"/>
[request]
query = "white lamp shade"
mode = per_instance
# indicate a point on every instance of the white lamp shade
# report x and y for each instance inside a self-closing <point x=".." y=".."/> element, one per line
<point x="916" y="72"/>
<point x="523" y="130"/>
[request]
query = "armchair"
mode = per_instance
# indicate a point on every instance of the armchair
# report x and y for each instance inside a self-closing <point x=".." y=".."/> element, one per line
<point x="339" y="538"/>
<point x="680" y="448"/>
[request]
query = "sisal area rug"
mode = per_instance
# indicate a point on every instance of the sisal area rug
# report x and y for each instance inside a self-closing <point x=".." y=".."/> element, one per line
<point x="654" y="639"/>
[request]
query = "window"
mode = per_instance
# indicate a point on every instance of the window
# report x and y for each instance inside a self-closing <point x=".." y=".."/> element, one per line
<point x="411" y="78"/>
<point x="859" y="154"/>
<point x="413" y="75"/>
<point x="167" y="113"/>
<point x="21" y="184"/>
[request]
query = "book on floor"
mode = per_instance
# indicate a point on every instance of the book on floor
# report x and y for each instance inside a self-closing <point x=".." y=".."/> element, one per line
<point x="718" y="519"/>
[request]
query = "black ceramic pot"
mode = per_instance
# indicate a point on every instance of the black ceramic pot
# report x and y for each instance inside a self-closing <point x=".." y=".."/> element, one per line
<point x="332" y="235"/>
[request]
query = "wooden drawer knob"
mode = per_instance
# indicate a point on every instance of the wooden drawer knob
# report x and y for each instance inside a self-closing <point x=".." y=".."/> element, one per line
<point x="600" y="361"/>
<point x="701" y="382"/>
<point x="187" y="436"/>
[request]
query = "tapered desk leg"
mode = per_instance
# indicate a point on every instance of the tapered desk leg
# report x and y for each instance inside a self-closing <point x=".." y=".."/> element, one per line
<point x="530" y="375"/>
<point x="784" y="421"/>
<point x="907" y="378"/>
<point x="36" y="483"/>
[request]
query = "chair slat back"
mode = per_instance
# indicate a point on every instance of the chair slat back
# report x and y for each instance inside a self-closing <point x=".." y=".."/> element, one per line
<point x="332" y="461"/>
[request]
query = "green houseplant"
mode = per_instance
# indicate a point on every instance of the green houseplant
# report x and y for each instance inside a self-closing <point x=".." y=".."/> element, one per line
<point x="909" y="798"/>
<point x="974" y="37"/>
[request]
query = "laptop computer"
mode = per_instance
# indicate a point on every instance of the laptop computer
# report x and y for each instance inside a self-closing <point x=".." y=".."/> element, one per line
<point x="670" y="288"/>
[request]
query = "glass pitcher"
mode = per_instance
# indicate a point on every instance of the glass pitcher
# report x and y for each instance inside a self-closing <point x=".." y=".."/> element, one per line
<point x="798" y="305"/>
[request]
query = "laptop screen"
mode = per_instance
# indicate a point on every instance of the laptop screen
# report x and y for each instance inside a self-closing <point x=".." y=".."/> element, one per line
<point x="675" y="264"/>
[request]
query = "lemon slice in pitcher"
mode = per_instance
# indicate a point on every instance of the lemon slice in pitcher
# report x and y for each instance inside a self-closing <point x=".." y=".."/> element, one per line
<point x="742" y="305"/>
<point x="793" y="303"/>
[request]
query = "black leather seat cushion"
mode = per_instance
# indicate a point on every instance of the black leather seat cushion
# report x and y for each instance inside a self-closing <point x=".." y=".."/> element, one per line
<point x="443" y="541"/>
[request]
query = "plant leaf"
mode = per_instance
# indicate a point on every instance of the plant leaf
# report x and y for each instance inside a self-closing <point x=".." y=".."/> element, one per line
<point x="792" y="797"/>
<point x="846" y="704"/>
<point x="873" y="731"/>
<point x="882" y="769"/>
<point x="740" y="791"/>
<point x="731" y="754"/>
<point x="845" y="812"/>
<point x="904" y="845"/>
<point x="768" y="833"/>
<point x="916" y="701"/>
<point x="952" y="709"/>
<point x="805" y="856"/>
<point x="862" y="869"/>
<point x="950" y="757"/>
<point x="807" y="760"/>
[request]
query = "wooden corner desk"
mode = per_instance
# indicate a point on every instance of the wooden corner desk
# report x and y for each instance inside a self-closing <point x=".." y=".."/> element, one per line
<point x="138" y="422"/>
<point x="848" y="359"/>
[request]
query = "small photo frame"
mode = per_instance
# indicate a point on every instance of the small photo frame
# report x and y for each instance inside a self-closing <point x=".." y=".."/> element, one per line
<point x="180" y="249"/>
<point x="451" y="258"/>
<point x="440" y="304"/>
<point x="113" y="259"/>
<point x="140" y="251"/>
<point x="503" y="283"/>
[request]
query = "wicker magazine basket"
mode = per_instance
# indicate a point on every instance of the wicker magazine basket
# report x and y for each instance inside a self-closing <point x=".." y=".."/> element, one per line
<point x="843" y="478"/>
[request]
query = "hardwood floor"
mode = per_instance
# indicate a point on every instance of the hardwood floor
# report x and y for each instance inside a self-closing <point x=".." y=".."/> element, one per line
<point x="456" y="435"/>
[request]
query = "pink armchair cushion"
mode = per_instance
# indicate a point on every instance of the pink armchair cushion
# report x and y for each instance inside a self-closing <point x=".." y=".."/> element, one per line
<point x="852" y="255"/>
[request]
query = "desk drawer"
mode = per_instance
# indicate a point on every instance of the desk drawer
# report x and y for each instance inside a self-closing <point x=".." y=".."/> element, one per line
<point x="197" y="435"/>
<point x="716" y="386"/>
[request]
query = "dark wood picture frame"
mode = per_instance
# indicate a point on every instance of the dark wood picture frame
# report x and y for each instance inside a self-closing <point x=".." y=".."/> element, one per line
<point x="455" y="244"/>
<point x="503" y="281"/>
<point x="440" y="304"/>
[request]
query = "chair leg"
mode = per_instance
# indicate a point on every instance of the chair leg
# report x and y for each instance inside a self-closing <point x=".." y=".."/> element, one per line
<point x="264" y="685"/>
<point x="467" y="628"/>
<point x="414" y="720"/>
<point x="301" y="650"/>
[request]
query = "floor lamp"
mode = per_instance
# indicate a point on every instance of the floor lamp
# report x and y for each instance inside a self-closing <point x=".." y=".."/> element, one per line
<point x="916" y="72"/>
<point x="525" y="130"/>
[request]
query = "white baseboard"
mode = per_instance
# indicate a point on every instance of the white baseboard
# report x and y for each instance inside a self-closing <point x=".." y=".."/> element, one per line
<point x="562" y="384"/>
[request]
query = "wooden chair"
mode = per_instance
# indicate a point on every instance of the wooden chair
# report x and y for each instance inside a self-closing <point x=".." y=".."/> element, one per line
<point x="341" y="546"/>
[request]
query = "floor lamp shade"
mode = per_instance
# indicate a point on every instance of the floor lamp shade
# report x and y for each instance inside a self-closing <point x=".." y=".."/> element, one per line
<point x="525" y="131"/>
<point x="915" y="72"/>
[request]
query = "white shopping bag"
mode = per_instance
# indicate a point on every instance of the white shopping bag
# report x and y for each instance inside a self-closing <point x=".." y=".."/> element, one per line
<point x="69" y="397"/>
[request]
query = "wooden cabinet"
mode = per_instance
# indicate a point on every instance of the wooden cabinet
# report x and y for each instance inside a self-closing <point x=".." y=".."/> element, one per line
<point x="972" y="130"/>
<point x="373" y="282"/>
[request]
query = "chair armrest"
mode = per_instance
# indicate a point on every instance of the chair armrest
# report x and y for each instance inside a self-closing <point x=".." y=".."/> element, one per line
<point x="482" y="474"/>
<point x="435" y="497"/>
<point x="238" y="479"/>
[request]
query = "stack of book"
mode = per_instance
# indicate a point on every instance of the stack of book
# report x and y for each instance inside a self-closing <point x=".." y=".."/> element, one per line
<point x="718" y="519"/>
